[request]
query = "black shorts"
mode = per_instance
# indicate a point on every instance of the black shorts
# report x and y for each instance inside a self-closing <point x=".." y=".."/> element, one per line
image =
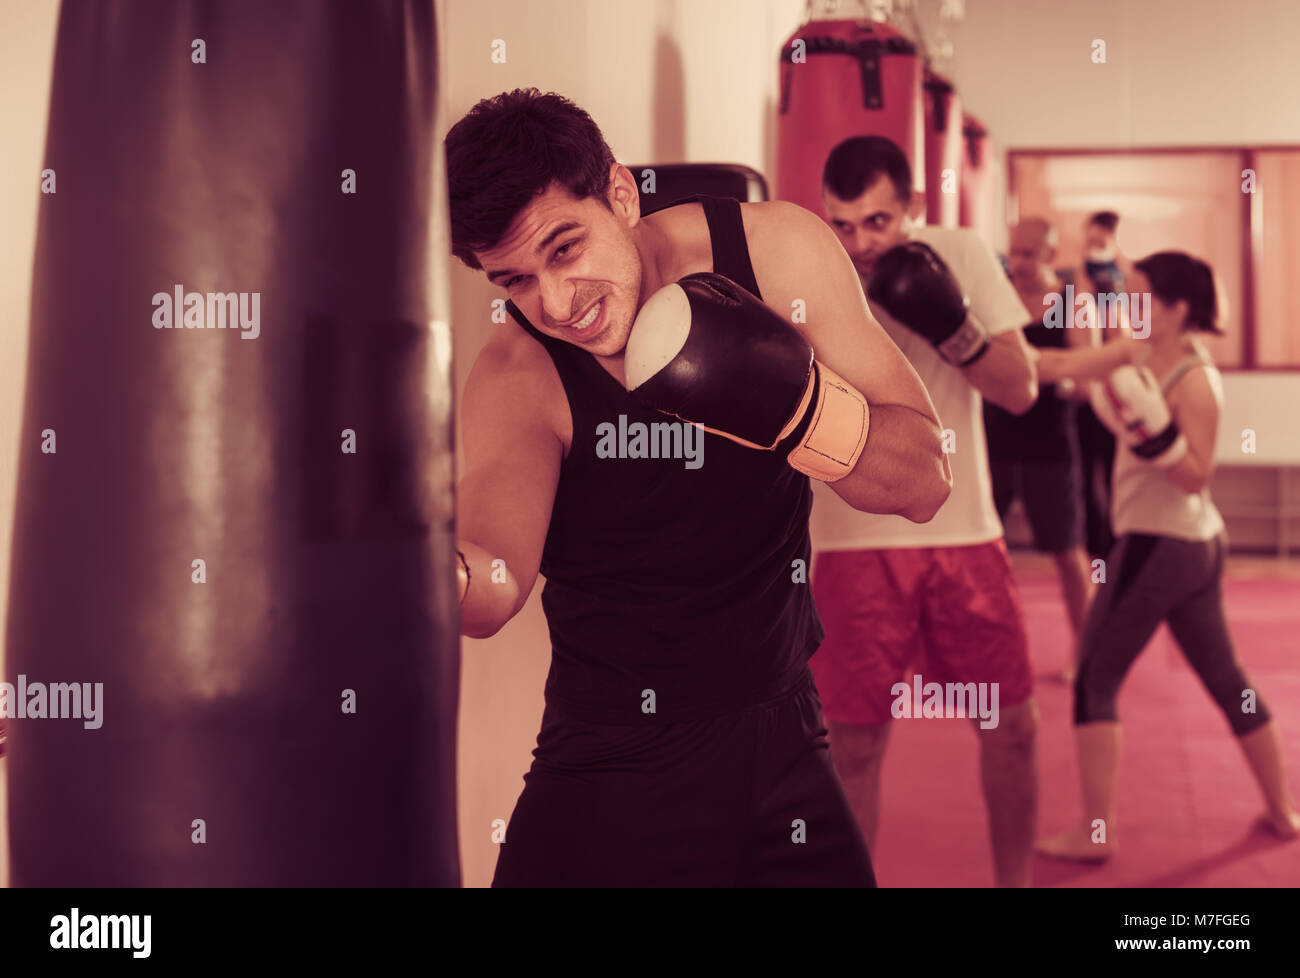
<point x="1053" y="496"/>
<point x="745" y="799"/>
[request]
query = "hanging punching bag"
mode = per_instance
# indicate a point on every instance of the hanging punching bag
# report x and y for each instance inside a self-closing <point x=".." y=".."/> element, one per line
<point x="232" y="646"/>
<point x="943" y="151"/>
<point x="842" y="78"/>
<point x="978" y="179"/>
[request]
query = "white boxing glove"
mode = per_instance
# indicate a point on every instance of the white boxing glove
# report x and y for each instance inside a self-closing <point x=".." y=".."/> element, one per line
<point x="1129" y="403"/>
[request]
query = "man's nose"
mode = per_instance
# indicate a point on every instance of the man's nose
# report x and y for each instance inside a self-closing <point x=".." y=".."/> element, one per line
<point x="557" y="299"/>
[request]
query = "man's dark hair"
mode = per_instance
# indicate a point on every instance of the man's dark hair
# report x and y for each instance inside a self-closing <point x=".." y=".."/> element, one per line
<point x="1175" y="275"/>
<point x="858" y="162"/>
<point x="1106" y="220"/>
<point x="509" y="149"/>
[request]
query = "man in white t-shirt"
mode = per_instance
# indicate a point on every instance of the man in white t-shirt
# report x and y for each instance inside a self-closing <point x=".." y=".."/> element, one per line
<point x="938" y="596"/>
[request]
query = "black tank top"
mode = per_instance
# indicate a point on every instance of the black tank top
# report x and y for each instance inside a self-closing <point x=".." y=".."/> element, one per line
<point x="1044" y="433"/>
<point x="666" y="578"/>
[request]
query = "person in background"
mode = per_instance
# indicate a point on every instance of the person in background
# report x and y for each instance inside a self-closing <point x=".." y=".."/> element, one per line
<point x="1163" y="397"/>
<point x="1035" y="456"/>
<point x="1101" y="272"/>
<point x="941" y="595"/>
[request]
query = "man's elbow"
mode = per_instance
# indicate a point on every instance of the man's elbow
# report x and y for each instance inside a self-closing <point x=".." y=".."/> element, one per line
<point x="490" y="613"/>
<point x="480" y="629"/>
<point x="1019" y="398"/>
<point x="929" y="494"/>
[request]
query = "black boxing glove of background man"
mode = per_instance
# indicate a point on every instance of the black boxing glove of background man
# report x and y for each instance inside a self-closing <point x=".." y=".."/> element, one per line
<point x="913" y="285"/>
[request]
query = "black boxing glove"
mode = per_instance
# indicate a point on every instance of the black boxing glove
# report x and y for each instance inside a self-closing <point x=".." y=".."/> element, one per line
<point x="707" y="351"/>
<point x="913" y="285"/>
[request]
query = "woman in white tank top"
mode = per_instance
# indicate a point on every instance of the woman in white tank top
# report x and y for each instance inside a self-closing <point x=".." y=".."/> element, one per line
<point x="1161" y="394"/>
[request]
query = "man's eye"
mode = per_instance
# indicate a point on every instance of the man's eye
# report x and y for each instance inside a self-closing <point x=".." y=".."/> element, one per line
<point x="559" y="252"/>
<point x="510" y="282"/>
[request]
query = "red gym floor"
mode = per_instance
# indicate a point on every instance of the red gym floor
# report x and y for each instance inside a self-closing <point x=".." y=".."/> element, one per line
<point x="1187" y="801"/>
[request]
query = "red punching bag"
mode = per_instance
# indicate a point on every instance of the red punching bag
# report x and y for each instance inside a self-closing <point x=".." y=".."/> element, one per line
<point x="978" y="179"/>
<point x="842" y="78"/>
<point x="233" y="562"/>
<point x="943" y="151"/>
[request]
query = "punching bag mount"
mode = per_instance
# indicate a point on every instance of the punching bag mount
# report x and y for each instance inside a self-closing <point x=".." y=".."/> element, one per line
<point x="974" y="134"/>
<point x="867" y="52"/>
<point x="939" y="89"/>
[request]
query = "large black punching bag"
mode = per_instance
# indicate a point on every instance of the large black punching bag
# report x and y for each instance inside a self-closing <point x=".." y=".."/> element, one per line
<point x="233" y="558"/>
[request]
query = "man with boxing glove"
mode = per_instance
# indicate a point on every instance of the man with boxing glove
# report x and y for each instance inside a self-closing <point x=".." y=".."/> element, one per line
<point x="681" y="742"/>
<point x="1034" y="457"/>
<point x="891" y="592"/>
<point x="1102" y="272"/>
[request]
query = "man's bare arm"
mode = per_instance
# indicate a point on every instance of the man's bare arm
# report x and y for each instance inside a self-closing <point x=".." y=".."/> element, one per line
<point x="1005" y="373"/>
<point x="802" y="267"/>
<point x="504" y="500"/>
<point x="1082" y="364"/>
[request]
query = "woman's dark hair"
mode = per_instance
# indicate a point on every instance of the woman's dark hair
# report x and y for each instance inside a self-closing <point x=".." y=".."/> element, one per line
<point x="1174" y="275"/>
<point x="509" y="149"/>
<point x="858" y="162"/>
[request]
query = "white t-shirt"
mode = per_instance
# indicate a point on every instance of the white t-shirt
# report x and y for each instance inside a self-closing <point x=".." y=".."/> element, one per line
<point x="968" y="517"/>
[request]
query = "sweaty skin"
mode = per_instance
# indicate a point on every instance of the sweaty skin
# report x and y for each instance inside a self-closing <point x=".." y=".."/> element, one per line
<point x="515" y="418"/>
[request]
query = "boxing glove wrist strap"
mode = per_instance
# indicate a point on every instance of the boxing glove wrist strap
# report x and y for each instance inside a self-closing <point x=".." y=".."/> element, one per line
<point x="1165" y="449"/>
<point x="832" y="432"/>
<point x="965" y="346"/>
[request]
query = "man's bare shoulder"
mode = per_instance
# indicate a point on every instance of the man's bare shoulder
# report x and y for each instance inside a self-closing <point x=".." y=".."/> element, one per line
<point x="510" y="350"/>
<point x="516" y="373"/>
<point x="778" y="224"/>
<point x="791" y="248"/>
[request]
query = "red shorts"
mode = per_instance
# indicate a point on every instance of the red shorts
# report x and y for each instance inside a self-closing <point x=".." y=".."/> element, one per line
<point x="953" y="608"/>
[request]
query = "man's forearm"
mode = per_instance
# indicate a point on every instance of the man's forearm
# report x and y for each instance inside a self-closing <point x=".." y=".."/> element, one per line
<point x="902" y="469"/>
<point x="1083" y="364"/>
<point x="1005" y="376"/>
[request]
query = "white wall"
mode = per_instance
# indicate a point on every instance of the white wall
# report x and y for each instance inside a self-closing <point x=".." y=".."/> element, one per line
<point x="1177" y="72"/>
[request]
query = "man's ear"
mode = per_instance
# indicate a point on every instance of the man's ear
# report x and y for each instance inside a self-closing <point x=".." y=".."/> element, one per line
<point x="623" y="197"/>
<point x="916" y="207"/>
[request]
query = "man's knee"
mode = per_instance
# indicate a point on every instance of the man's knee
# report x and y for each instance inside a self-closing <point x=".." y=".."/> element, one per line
<point x="1016" y="727"/>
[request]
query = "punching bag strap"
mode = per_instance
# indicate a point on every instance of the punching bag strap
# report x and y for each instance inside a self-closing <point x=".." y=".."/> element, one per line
<point x="867" y="51"/>
<point x="940" y="93"/>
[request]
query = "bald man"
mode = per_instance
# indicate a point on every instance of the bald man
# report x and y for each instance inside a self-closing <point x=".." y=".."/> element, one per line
<point x="1035" y="456"/>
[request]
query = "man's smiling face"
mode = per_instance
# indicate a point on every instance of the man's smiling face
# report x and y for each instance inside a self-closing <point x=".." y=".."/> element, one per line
<point x="572" y="268"/>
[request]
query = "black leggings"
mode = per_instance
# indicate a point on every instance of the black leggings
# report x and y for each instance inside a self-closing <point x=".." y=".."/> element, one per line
<point x="1154" y="579"/>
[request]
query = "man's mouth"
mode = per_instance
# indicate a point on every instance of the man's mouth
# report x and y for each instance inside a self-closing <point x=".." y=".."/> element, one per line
<point x="595" y="315"/>
<point x="590" y="318"/>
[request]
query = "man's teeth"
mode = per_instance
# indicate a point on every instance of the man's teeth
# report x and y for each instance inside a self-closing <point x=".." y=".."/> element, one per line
<point x="590" y="318"/>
